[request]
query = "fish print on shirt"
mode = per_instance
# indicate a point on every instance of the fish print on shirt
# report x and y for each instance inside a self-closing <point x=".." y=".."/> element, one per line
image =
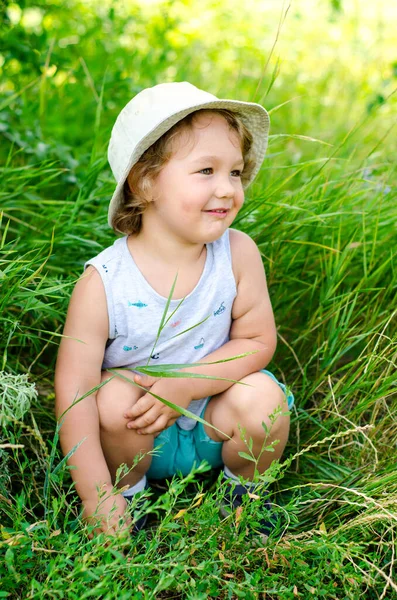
<point x="176" y="323"/>
<point x="137" y="304"/>
<point x="106" y="269"/>
<point x="155" y="356"/>
<point x="200" y="345"/>
<point x="220" y="310"/>
<point x="128" y="348"/>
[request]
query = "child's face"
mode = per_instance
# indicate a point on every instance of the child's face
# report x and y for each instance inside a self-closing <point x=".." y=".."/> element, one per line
<point x="204" y="174"/>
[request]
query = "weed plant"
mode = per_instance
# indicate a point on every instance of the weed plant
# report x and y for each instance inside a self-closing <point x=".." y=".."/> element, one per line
<point x="323" y="214"/>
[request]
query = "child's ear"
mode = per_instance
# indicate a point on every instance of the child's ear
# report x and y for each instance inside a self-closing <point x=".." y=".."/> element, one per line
<point x="148" y="185"/>
<point x="142" y="187"/>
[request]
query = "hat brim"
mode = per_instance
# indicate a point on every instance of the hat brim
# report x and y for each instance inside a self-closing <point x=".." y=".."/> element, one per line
<point x="253" y="115"/>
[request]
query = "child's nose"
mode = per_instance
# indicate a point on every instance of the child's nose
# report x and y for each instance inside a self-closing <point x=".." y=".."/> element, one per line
<point x="225" y="188"/>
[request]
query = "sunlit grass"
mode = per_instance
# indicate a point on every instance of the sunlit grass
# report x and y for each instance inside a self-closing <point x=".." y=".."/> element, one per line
<point x="323" y="216"/>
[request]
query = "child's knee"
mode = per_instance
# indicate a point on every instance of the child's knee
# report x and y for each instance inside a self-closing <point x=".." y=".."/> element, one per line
<point x="270" y="407"/>
<point x="113" y="399"/>
<point x="263" y="402"/>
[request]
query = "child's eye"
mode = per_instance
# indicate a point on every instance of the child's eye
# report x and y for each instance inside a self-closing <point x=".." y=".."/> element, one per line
<point x="237" y="172"/>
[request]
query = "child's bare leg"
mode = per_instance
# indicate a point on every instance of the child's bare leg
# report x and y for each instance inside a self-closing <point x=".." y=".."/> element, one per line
<point x="248" y="406"/>
<point x="120" y="444"/>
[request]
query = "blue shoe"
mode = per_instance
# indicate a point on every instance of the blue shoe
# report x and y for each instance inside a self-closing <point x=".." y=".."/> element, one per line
<point x="234" y="498"/>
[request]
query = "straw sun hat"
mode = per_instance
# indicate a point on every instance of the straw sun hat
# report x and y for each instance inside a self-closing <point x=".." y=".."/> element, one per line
<point x="155" y="110"/>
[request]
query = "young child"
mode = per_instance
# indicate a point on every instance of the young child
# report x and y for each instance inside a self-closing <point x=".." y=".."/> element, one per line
<point x="182" y="159"/>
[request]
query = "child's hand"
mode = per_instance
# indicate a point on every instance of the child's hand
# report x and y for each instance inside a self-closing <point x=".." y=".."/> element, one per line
<point x="150" y="415"/>
<point x="108" y="513"/>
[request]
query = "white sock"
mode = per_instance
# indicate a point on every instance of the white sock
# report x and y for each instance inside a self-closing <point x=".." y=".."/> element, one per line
<point x="229" y="475"/>
<point x="134" y="489"/>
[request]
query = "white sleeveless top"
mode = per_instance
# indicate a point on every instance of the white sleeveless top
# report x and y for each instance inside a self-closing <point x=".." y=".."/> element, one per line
<point x="135" y="310"/>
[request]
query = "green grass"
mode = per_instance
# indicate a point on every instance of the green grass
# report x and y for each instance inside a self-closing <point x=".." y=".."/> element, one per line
<point x="324" y="219"/>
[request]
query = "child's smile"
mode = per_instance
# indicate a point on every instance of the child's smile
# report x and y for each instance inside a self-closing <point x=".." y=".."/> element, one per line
<point x="218" y="212"/>
<point x="199" y="192"/>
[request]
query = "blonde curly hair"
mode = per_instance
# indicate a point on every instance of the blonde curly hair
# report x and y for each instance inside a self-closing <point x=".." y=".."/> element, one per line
<point x="137" y="187"/>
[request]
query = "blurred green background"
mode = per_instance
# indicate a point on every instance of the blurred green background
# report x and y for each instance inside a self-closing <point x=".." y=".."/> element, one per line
<point x="332" y="61"/>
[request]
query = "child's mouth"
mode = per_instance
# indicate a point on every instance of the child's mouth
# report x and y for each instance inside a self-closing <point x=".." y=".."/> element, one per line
<point x="218" y="212"/>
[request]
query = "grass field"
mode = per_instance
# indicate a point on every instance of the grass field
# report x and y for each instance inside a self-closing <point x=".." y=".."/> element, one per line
<point x="323" y="212"/>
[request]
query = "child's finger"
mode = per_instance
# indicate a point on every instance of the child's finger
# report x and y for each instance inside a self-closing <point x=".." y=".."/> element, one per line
<point x="171" y="422"/>
<point x="140" y="407"/>
<point x="145" y="380"/>
<point x="144" y="420"/>
<point x="156" y="427"/>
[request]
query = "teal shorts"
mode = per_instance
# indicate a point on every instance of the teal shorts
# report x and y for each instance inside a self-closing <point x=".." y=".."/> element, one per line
<point x="178" y="450"/>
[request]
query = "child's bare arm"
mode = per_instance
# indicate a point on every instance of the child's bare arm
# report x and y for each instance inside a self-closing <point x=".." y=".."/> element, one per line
<point x="253" y="327"/>
<point x="78" y="370"/>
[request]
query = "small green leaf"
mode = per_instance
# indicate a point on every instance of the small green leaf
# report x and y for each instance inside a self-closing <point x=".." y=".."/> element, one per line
<point x="266" y="428"/>
<point x="246" y="456"/>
